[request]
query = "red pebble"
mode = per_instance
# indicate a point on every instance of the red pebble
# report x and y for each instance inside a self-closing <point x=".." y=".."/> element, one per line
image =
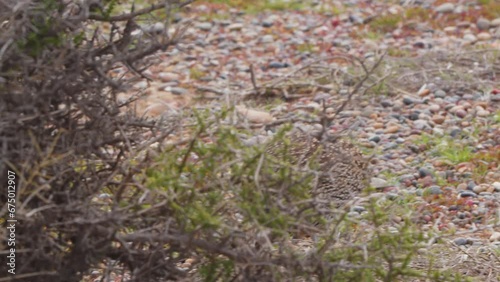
<point x="335" y="22"/>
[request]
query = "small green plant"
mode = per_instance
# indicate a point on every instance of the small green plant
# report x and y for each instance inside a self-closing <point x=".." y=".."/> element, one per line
<point x="305" y="48"/>
<point x="390" y="176"/>
<point x="219" y="15"/>
<point x="440" y="181"/>
<point x="373" y="35"/>
<point x="281" y="5"/>
<point x="491" y="10"/>
<point x="454" y="152"/>
<point x="196" y="74"/>
<point x="417" y="13"/>
<point x="398" y="52"/>
<point x="447" y="148"/>
<point x="43" y="36"/>
<point x="425" y="139"/>
<point x="496" y="117"/>
<point x="330" y="9"/>
<point x="381" y="89"/>
<point x="386" y="23"/>
<point x="253" y="7"/>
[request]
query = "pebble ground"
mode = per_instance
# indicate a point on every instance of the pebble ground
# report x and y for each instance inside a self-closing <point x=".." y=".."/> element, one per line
<point x="434" y="135"/>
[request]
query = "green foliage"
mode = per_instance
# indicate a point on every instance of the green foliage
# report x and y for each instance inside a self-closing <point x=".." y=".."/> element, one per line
<point x="216" y="270"/>
<point x="398" y="52"/>
<point x="417" y="13"/>
<point x="262" y="5"/>
<point x="381" y="89"/>
<point x="219" y="176"/>
<point x="458" y="154"/>
<point x="450" y="149"/>
<point x="41" y="38"/>
<point x="496" y="118"/>
<point x="491" y="10"/>
<point x="109" y="7"/>
<point x="305" y="48"/>
<point x="372" y="35"/>
<point x="196" y="73"/>
<point x="386" y="23"/>
<point x="225" y="187"/>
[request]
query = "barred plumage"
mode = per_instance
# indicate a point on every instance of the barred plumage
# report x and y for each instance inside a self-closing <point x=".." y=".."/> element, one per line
<point x="343" y="170"/>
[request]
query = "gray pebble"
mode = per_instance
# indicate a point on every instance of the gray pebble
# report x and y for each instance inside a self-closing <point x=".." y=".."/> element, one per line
<point x="374" y="138"/>
<point x="455" y="132"/>
<point x="468" y="97"/>
<point x="353" y="214"/>
<point x="470" y="37"/>
<point x="439" y="94"/>
<point x="414" y="149"/>
<point x="267" y="23"/>
<point x="205" y="26"/>
<point x="390" y="146"/>
<point x="467" y="174"/>
<point x="268" y="38"/>
<point x="421" y="124"/>
<point x="414" y="115"/>
<point x="445" y="8"/>
<point x="423" y="172"/>
<point x="141" y="85"/>
<point x="496" y="185"/>
<point x="433" y="190"/>
<point x="437" y="131"/>
<point x="278" y="65"/>
<point x="452" y="99"/>
<point x="156" y="28"/>
<point x="407" y="101"/>
<point x="321" y="97"/>
<point x="461" y="241"/>
<point x="358" y="209"/>
<point x="356" y="19"/>
<point x="483" y="24"/>
<point x="495" y="22"/>
<point x="482" y="210"/>
<point x="465" y="194"/>
<point x="378" y="183"/>
<point x="235" y="27"/>
<point x="478" y="189"/>
<point x="471" y="185"/>
<point x="406" y="177"/>
<point x="391" y="196"/>
<point x="178" y="90"/>
<point x="386" y="103"/>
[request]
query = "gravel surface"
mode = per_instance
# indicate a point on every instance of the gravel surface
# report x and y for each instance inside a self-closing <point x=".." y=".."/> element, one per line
<point x="437" y="138"/>
<point x="433" y="132"/>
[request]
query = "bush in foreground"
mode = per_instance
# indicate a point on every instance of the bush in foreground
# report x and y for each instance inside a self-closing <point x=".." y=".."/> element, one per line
<point x="64" y="133"/>
<point x="93" y="196"/>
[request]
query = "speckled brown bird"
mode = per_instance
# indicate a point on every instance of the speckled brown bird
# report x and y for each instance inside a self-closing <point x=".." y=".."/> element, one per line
<point x="342" y="169"/>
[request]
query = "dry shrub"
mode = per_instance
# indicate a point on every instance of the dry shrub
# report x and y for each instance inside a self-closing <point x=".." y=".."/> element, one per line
<point x="90" y="199"/>
<point x="63" y="132"/>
